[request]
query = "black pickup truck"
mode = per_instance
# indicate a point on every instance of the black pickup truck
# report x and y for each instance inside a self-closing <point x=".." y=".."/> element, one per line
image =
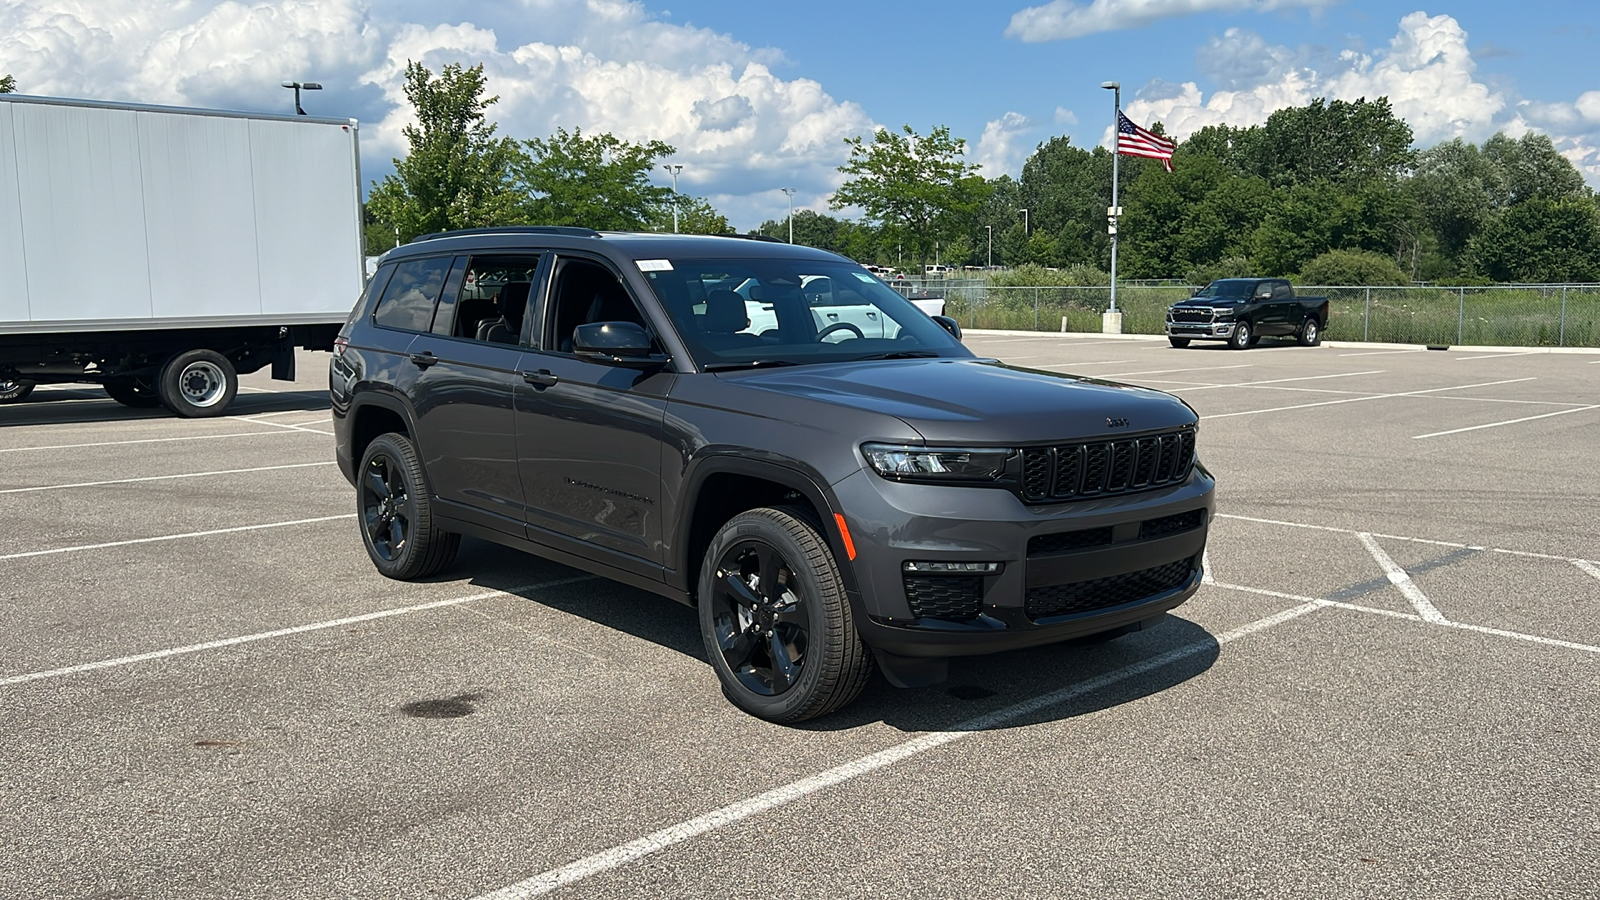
<point x="1242" y="310"/>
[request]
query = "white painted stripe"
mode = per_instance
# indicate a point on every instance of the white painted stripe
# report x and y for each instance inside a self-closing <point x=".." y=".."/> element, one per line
<point x="1248" y="384"/>
<point x="621" y="855"/>
<point x="1085" y="362"/>
<point x="1459" y="387"/>
<point x="1496" y="355"/>
<point x="1382" y="352"/>
<point x="286" y="425"/>
<point x="1400" y="537"/>
<point x="1401" y="579"/>
<point x="1170" y="371"/>
<point x="187" y="437"/>
<point x="1587" y="567"/>
<point x="175" y="537"/>
<point x="1205" y="568"/>
<point x="83" y="484"/>
<point x="1418" y="437"/>
<point x="1517" y="635"/>
<point x="280" y="632"/>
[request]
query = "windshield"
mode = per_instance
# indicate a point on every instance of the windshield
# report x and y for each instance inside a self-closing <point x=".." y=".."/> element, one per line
<point x="1227" y="288"/>
<point x="737" y="313"/>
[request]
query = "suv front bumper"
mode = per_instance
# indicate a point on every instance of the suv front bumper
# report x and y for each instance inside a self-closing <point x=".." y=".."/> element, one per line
<point x="1065" y="570"/>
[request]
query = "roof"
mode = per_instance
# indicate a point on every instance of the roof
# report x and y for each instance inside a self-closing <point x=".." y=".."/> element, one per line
<point x="625" y="244"/>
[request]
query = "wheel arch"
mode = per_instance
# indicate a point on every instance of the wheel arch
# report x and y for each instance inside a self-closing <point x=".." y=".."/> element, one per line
<point x="373" y="414"/>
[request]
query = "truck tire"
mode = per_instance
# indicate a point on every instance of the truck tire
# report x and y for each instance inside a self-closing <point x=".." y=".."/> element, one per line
<point x="777" y="626"/>
<point x="197" y="384"/>
<point x="14" y="390"/>
<point x="396" y="512"/>
<point x="131" y="393"/>
<point x="1178" y="342"/>
<point x="1242" y="337"/>
<point x="1310" y="333"/>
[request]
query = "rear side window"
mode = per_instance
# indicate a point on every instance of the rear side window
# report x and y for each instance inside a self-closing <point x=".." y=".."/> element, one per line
<point x="409" y="297"/>
<point x="1280" y="291"/>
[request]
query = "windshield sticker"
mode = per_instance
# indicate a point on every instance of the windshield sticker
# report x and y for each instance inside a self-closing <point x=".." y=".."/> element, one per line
<point x="655" y="265"/>
<point x="865" y="278"/>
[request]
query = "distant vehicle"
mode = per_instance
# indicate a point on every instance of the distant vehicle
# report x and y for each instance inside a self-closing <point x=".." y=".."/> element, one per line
<point x="159" y="252"/>
<point x="1243" y="310"/>
<point x="935" y="271"/>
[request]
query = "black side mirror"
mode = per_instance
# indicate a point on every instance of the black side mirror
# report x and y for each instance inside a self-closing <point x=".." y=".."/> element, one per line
<point x="618" y="343"/>
<point x="950" y="325"/>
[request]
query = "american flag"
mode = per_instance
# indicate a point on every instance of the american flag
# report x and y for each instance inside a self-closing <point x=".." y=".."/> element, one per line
<point x="1135" y="141"/>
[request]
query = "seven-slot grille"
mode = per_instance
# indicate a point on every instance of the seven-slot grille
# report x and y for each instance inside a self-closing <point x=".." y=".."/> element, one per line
<point x="1098" y="468"/>
<point x="1191" y="314"/>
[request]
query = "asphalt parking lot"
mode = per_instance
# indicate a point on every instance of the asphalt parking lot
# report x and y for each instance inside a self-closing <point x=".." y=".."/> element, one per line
<point x="1389" y="686"/>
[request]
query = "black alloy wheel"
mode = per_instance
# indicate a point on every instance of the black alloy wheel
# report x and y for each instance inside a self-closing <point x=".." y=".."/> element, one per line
<point x="774" y="618"/>
<point x="396" y="512"/>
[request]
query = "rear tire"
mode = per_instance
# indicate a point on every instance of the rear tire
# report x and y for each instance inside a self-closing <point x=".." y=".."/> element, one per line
<point x="15" y="390"/>
<point x="1310" y="333"/>
<point x="1178" y="342"/>
<point x="396" y="512"/>
<point x="198" y="384"/>
<point x="1242" y="336"/>
<point x="777" y="626"/>
<point x="132" y="393"/>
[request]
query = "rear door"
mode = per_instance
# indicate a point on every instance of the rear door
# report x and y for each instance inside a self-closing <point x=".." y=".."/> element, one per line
<point x="840" y="313"/>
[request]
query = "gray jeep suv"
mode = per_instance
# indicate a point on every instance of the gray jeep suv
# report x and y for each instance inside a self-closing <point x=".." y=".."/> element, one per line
<point x="767" y="433"/>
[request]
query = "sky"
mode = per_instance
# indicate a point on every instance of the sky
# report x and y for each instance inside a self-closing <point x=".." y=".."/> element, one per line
<point x="759" y="96"/>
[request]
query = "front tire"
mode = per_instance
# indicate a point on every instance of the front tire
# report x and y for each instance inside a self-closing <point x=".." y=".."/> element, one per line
<point x="1310" y="333"/>
<point x="1178" y="342"/>
<point x="777" y="626"/>
<point x="396" y="512"/>
<point x="1241" y="337"/>
<point x="198" y="384"/>
<point x="15" y="390"/>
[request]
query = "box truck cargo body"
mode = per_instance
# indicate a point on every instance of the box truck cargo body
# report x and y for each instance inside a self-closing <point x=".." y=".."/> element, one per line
<point x="161" y="251"/>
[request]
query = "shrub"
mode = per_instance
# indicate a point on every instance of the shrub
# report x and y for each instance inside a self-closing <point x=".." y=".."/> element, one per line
<point x="1227" y="267"/>
<point x="1352" y="267"/>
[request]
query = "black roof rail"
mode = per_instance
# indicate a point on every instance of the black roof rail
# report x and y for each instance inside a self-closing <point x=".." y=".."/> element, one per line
<point x="566" y="230"/>
<point x="756" y="237"/>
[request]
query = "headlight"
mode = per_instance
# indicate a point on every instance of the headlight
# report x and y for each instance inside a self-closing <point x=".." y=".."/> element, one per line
<point x="938" y="464"/>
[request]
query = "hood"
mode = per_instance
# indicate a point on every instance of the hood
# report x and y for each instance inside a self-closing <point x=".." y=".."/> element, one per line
<point x="981" y="401"/>
<point x="1211" y="301"/>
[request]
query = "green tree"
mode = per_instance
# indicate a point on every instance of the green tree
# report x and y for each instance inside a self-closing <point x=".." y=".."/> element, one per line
<point x="1540" y="240"/>
<point x="1066" y="190"/>
<point x="696" y="215"/>
<point x="600" y="182"/>
<point x="8" y="85"/>
<point x="1529" y="168"/>
<point x="1346" y="143"/>
<point x="457" y="174"/>
<point x="813" y="229"/>
<point x="917" y="188"/>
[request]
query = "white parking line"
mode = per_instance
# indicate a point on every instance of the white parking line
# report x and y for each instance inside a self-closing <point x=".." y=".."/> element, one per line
<point x="622" y="854"/>
<point x="1085" y="362"/>
<point x="1418" y="437"/>
<point x="1170" y="371"/>
<point x="1401" y="579"/>
<point x="280" y="632"/>
<point x="1273" y="381"/>
<point x="1382" y="352"/>
<point x="1587" y="567"/>
<point x="84" y="484"/>
<point x="1497" y="355"/>
<point x="1529" y="554"/>
<point x="175" y="537"/>
<point x="187" y="437"/>
<point x="295" y="427"/>
<point x="1459" y="387"/>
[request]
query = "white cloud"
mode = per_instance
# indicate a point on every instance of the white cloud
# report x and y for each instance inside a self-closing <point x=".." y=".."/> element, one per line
<point x="1066" y="116"/>
<point x="1001" y="149"/>
<point x="1060" y="19"/>
<point x="1588" y="105"/>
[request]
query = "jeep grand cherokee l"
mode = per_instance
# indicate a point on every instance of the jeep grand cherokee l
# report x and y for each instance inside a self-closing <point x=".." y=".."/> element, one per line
<point x="767" y="433"/>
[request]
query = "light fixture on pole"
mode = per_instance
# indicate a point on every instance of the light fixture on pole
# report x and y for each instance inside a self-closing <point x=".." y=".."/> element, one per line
<point x="789" y="192"/>
<point x="299" y="86"/>
<point x="1024" y="212"/>
<point x="990" y="229"/>
<point x="674" y="169"/>
<point x="1115" y="87"/>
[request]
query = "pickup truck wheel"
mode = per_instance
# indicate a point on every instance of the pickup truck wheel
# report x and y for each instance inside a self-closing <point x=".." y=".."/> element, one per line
<point x="1178" y="342"/>
<point x="131" y="393"/>
<point x="1242" y="336"/>
<point x="14" y="390"/>
<point x="775" y="621"/>
<point x="1310" y="333"/>
<point x="397" y="514"/>
<point x="198" y="384"/>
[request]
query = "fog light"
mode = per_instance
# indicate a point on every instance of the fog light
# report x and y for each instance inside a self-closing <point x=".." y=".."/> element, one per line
<point x="952" y="568"/>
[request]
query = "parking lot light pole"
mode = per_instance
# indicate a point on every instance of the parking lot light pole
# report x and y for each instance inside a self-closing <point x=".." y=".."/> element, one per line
<point x="1115" y="87"/>
<point x="990" y="229"/>
<point x="674" y="169"/>
<point x="789" y="192"/>
<point x="299" y="86"/>
<point x="1024" y="212"/>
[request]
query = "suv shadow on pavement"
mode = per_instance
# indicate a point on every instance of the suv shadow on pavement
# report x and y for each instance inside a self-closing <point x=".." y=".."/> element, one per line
<point x="978" y="685"/>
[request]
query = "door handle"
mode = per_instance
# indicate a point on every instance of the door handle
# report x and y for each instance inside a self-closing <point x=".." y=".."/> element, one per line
<point x="424" y="359"/>
<point x="540" y="379"/>
<point x="833" y="315"/>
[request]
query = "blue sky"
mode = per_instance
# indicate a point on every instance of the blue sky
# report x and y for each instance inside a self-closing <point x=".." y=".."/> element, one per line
<point x="759" y="96"/>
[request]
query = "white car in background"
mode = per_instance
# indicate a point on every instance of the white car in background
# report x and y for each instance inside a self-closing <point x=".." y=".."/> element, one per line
<point x="835" y="307"/>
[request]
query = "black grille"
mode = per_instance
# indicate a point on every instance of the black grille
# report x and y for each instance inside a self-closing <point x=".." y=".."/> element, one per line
<point x="1098" y="468"/>
<point x="945" y="596"/>
<point x="1189" y="314"/>
<point x="1154" y="528"/>
<point x="1068" y="540"/>
<point x="1102" y="593"/>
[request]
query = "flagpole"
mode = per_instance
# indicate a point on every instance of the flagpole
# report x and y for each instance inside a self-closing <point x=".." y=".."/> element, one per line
<point x="1111" y="214"/>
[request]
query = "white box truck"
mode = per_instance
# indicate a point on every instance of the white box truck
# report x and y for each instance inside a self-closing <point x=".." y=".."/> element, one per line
<point x="160" y="252"/>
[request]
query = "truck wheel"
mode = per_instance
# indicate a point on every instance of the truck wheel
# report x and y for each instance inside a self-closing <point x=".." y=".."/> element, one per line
<point x="1178" y="342"/>
<point x="1241" y="337"/>
<point x="1310" y="333"/>
<point x="198" y="383"/>
<point x="131" y="393"/>
<point x="14" y="390"/>
<point x="397" y="514"/>
<point x="775" y="621"/>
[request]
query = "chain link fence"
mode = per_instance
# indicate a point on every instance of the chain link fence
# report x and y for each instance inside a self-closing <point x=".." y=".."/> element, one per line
<point x="1530" y="315"/>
